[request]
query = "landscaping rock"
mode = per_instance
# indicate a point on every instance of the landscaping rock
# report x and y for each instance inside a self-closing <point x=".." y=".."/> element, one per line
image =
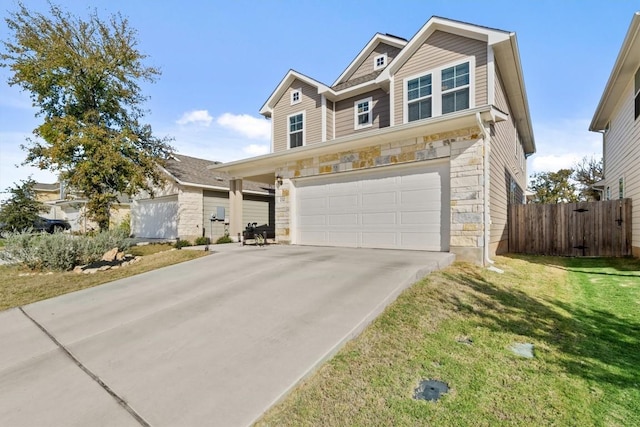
<point x="120" y="256"/>
<point x="90" y="271"/>
<point x="111" y="255"/>
<point x="104" y="268"/>
<point x="79" y="268"/>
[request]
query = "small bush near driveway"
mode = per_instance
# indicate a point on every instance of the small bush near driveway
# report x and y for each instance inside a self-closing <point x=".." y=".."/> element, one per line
<point x="60" y="251"/>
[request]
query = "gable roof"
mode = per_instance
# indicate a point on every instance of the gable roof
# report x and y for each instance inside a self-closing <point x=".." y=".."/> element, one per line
<point x="623" y="72"/>
<point x="378" y="38"/>
<point x="289" y="78"/>
<point x="192" y="171"/>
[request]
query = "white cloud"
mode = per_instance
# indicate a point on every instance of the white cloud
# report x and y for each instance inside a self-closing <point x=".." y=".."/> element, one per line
<point x="199" y="117"/>
<point x="255" y="149"/>
<point x="244" y="124"/>
<point x="561" y="144"/>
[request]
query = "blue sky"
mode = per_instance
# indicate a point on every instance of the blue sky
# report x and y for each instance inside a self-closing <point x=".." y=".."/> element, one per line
<point x="221" y="60"/>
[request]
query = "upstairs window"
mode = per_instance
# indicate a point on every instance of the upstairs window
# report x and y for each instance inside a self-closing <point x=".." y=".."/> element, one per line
<point x="380" y="61"/>
<point x="637" y="94"/>
<point x="296" y="130"/>
<point x="455" y="88"/>
<point x="419" y="96"/>
<point x="439" y="91"/>
<point x="296" y="96"/>
<point x="363" y="113"/>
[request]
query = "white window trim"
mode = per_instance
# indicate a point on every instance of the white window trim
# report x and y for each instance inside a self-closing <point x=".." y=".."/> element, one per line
<point x="294" y="91"/>
<point x="436" y="85"/>
<point x="621" y="183"/>
<point x="375" y="62"/>
<point x="304" y="125"/>
<point x="369" y="113"/>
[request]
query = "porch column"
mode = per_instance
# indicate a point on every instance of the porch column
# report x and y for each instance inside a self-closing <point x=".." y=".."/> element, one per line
<point x="236" y="224"/>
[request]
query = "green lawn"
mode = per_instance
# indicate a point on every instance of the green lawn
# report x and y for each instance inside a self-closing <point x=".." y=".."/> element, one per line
<point x="582" y="315"/>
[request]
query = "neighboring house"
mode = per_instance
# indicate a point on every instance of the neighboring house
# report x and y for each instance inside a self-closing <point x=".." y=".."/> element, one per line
<point x="617" y="117"/>
<point x="182" y="208"/>
<point x="71" y="207"/>
<point x="419" y="144"/>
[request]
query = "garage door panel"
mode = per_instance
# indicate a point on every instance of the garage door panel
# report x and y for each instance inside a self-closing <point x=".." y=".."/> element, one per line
<point x="156" y="218"/>
<point x="342" y="238"/>
<point x="379" y="218"/>
<point x="346" y="201"/>
<point x="422" y="197"/>
<point x="379" y="199"/>
<point x="420" y="218"/>
<point x="343" y="219"/>
<point x="380" y="239"/>
<point x="391" y="207"/>
<point x="310" y="220"/>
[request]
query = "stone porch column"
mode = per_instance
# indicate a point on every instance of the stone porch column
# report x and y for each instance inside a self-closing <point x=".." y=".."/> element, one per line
<point x="236" y="224"/>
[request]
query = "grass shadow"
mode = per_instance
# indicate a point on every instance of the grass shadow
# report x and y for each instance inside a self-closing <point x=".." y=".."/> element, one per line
<point x="597" y="344"/>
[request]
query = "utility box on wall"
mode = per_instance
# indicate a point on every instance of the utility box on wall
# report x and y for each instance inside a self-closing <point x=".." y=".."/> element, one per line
<point x="218" y="214"/>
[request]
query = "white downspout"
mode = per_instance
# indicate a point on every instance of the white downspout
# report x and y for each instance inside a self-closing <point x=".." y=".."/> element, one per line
<point x="487" y="172"/>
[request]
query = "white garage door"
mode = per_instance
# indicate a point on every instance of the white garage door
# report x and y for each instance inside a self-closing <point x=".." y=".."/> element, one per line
<point x="155" y="218"/>
<point x="394" y="207"/>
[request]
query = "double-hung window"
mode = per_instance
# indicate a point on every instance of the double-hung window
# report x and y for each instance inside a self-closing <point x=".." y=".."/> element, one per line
<point x="637" y="95"/>
<point x="363" y="113"/>
<point x="296" y="130"/>
<point x="419" y="98"/>
<point x="439" y="91"/>
<point x="455" y="88"/>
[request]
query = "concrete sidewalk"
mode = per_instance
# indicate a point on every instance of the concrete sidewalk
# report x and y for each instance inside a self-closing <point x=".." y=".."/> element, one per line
<point x="215" y="341"/>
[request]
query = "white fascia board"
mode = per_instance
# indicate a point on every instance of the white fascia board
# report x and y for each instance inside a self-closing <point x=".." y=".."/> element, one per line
<point x="366" y="51"/>
<point x="472" y="31"/>
<point x="351" y="91"/>
<point x="268" y="163"/>
<point x="292" y="75"/>
<point x="223" y="189"/>
<point x="623" y="71"/>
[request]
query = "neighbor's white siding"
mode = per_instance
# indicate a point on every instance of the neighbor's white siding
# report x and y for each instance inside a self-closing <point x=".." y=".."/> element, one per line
<point x="622" y="157"/>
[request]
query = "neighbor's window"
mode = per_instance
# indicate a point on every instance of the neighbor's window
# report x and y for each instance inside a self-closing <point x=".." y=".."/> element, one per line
<point x="363" y="116"/>
<point x="419" y="91"/>
<point x="621" y="188"/>
<point x="637" y="93"/>
<point x="295" y="96"/>
<point x="380" y="61"/>
<point x="455" y="88"/>
<point x="296" y="130"/>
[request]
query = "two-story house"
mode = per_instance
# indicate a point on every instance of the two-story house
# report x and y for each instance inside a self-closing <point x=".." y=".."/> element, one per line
<point x="617" y="117"/>
<point x="419" y="144"/>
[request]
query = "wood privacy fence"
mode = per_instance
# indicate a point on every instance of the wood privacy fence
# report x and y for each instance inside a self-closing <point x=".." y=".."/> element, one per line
<point x="571" y="229"/>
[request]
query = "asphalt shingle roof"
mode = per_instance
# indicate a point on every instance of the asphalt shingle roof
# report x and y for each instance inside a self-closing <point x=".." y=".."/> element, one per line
<point x="193" y="170"/>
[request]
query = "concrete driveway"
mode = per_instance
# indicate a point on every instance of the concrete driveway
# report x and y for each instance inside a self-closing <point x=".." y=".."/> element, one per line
<point x="215" y="341"/>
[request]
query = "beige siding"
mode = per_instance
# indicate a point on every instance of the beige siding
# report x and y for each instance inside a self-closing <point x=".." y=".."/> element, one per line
<point x="440" y="49"/>
<point x="311" y="104"/>
<point x="505" y="165"/>
<point x="330" y="119"/>
<point x="622" y="157"/>
<point x="255" y="208"/>
<point x="345" y="113"/>
<point x="367" y="66"/>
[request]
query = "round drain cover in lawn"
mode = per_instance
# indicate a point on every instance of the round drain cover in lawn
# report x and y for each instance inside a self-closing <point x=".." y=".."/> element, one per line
<point x="430" y="390"/>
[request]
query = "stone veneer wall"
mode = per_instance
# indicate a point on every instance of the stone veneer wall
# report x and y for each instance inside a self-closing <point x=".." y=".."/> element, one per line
<point x="464" y="147"/>
<point x="190" y="213"/>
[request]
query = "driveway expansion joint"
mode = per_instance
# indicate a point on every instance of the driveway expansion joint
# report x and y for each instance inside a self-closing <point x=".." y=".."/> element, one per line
<point x="87" y="371"/>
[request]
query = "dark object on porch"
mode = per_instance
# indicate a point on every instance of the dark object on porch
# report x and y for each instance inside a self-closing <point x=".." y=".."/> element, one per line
<point x="258" y="233"/>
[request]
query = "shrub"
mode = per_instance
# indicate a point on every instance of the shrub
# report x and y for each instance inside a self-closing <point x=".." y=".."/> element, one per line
<point x="181" y="244"/>
<point x="224" y="239"/>
<point x="202" y="241"/>
<point x="60" y="251"/>
<point x="125" y="225"/>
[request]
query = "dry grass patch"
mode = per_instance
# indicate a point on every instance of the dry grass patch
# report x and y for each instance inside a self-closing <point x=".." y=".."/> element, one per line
<point x="19" y="286"/>
<point x="372" y="379"/>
